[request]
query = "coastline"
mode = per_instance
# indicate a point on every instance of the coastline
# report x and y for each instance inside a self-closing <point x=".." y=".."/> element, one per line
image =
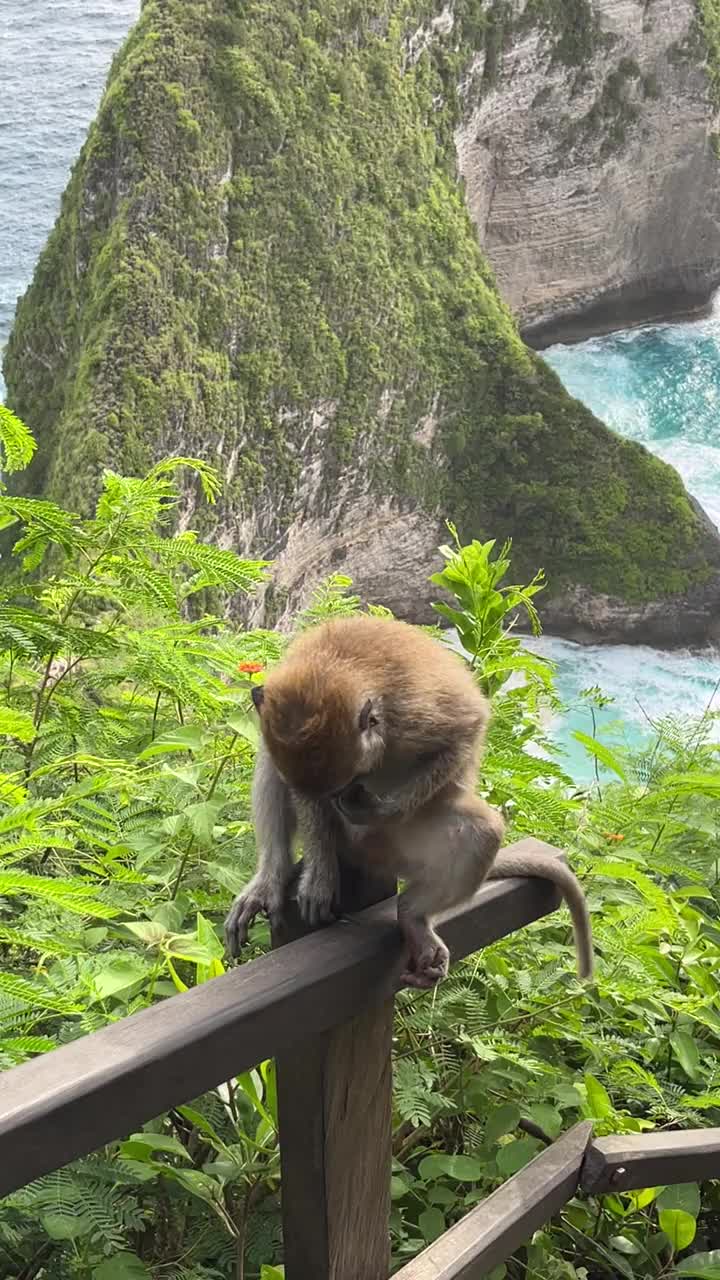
<point x="630" y="307"/>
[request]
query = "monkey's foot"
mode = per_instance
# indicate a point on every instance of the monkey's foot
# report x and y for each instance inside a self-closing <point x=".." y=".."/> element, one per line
<point x="428" y="957"/>
<point x="317" y="895"/>
<point x="259" y="898"/>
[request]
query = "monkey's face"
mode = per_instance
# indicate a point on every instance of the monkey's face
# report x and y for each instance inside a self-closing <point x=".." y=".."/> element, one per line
<point x="319" y="733"/>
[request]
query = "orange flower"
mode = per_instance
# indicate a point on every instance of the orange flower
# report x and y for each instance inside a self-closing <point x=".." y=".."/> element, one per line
<point x="612" y="835"/>
<point x="250" y="668"/>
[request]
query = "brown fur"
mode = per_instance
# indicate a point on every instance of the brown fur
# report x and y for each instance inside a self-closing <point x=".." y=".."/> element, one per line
<point x="313" y="700"/>
<point x="372" y="737"/>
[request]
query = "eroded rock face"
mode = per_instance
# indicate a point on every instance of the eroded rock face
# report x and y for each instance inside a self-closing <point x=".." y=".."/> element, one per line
<point x="276" y="272"/>
<point x="595" y="187"/>
<point x="690" y="621"/>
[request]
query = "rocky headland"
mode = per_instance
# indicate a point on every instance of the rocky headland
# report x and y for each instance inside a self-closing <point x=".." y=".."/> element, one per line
<point x="305" y="244"/>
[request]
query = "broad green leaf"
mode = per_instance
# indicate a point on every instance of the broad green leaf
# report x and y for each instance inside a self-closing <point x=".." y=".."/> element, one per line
<point x="140" y="1146"/>
<point x="458" y="1168"/>
<point x="432" y="1224"/>
<point x="148" y="931"/>
<point x="502" y="1120"/>
<point x="199" y="1184"/>
<point x="246" y="726"/>
<point x="641" y="1199"/>
<point x="549" y="1120"/>
<point x="515" y="1155"/>
<point x="601" y="753"/>
<point x="624" y="1244"/>
<point x="119" y="975"/>
<point x="171" y="914"/>
<point x="65" y="1226"/>
<point x="599" y="1102"/>
<point x="567" y="1095"/>
<point x="122" y="1266"/>
<point x="188" y="737"/>
<point x="679" y="1227"/>
<point x="686" y="1052"/>
<point x="685" y="1196"/>
<point x="272" y="1273"/>
<point x="202" y="818"/>
<point x="703" y="1266"/>
<point x="440" y="1194"/>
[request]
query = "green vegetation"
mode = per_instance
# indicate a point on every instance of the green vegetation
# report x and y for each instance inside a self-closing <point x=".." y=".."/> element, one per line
<point x="614" y="110"/>
<point x="125" y="759"/>
<point x="266" y="221"/>
<point x="572" y="26"/>
<point x="709" y="30"/>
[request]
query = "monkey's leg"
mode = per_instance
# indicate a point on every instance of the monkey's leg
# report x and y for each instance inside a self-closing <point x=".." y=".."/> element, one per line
<point x="318" y="888"/>
<point x="275" y="824"/>
<point x="444" y="857"/>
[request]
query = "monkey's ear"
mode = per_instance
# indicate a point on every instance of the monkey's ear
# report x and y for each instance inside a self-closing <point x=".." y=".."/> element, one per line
<point x="258" y="696"/>
<point x="364" y="720"/>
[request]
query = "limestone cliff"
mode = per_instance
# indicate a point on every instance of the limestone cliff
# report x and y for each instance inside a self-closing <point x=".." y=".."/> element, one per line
<point x="591" y="163"/>
<point x="264" y="256"/>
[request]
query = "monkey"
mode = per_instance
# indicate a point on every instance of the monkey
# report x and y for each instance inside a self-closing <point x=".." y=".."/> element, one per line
<point x="371" y="738"/>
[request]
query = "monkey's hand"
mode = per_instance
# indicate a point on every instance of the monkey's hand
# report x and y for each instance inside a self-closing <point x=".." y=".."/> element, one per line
<point x="318" y="892"/>
<point x="362" y="808"/>
<point x="263" y="896"/>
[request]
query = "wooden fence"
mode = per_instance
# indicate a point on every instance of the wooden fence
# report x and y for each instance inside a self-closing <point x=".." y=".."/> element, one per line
<point x="322" y="1006"/>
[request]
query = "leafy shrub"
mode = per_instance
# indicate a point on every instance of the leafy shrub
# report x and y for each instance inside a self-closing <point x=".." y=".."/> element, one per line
<point x="125" y="761"/>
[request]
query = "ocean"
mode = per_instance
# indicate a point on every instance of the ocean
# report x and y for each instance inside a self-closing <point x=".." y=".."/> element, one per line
<point x="54" y="59"/>
<point x="659" y="385"/>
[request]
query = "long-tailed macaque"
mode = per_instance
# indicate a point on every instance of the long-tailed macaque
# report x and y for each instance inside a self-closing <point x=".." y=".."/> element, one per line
<point x="372" y="734"/>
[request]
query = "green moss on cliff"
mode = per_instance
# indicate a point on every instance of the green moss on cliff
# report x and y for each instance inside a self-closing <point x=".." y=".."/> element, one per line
<point x="708" y="12"/>
<point x="263" y="256"/>
<point x="572" y="25"/>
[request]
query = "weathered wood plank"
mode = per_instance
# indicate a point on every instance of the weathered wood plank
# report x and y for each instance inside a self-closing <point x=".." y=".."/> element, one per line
<point x="630" y="1162"/>
<point x="507" y="1219"/>
<point x="335" y="1109"/>
<point x="78" y="1097"/>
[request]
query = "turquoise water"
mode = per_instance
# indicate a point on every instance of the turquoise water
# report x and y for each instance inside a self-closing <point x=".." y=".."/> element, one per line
<point x="660" y="385"/>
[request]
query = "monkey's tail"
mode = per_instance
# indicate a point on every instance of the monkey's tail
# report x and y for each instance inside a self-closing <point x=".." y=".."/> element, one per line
<point x="508" y="864"/>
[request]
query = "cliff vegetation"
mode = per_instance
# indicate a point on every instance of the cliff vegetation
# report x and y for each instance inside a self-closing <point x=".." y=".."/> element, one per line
<point x="264" y="258"/>
<point x="127" y="741"/>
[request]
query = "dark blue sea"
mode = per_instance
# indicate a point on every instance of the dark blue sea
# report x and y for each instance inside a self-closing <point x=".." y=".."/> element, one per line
<point x="658" y="385"/>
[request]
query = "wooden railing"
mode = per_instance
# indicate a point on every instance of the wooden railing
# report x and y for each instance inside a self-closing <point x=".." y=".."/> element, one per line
<point x="322" y="1006"/>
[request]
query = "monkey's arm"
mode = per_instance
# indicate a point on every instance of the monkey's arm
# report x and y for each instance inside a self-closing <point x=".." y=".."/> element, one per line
<point x="372" y="799"/>
<point x="318" y="886"/>
<point x="275" y="823"/>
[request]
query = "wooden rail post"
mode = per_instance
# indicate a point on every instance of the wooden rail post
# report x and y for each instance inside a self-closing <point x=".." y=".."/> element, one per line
<point x="335" y="1114"/>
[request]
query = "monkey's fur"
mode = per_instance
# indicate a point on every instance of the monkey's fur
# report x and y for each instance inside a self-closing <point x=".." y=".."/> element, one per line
<point x="372" y="735"/>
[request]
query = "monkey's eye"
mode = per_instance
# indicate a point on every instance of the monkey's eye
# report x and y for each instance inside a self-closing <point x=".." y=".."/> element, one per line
<point x="372" y="721"/>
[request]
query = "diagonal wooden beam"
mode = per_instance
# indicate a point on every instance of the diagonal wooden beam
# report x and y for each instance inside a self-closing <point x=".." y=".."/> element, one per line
<point x="508" y="1218"/>
<point x="74" y="1099"/>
